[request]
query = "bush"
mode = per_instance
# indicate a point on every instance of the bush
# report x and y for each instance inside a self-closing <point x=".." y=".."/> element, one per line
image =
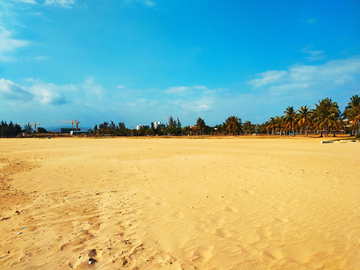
<point x="357" y="136"/>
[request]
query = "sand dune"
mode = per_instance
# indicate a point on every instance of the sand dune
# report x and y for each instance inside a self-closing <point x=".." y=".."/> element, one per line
<point x="179" y="204"/>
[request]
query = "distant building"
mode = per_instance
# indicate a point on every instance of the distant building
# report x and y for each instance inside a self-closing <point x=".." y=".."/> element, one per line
<point x="138" y="127"/>
<point x="67" y="130"/>
<point x="155" y="125"/>
<point x="74" y="132"/>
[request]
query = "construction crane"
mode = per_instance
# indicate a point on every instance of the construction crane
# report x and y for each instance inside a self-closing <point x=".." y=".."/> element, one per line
<point x="76" y="122"/>
<point x="34" y="124"/>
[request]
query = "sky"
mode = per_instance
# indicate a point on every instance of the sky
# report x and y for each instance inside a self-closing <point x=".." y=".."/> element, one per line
<point x="139" y="61"/>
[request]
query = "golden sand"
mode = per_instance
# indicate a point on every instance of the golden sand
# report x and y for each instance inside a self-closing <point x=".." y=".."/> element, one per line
<point x="179" y="204"/>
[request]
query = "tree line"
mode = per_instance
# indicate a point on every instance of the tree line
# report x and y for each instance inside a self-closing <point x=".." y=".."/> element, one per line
<point x="324" y="119"/>
<point x="12" y="130"/>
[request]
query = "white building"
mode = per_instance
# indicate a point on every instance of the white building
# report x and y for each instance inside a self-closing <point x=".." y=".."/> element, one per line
<point x="141" y="126"/>
<point x="157" y="124"/>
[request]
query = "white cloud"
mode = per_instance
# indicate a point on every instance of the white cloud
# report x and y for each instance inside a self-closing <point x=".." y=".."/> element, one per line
<point x="310" y="78"/>
<point x="200" y="87"/>
<point x="146" y="102"/>
<point x="45" y="93"/>
<point x="121" y="86"/>
<point x="268" y="77"/>
<point x="9" y="45"/>
<point x="26" y="1"/>
<point x="203" y="104"/>
<point x="62" y="3"/>
<point x="177" y="90"/>
<point x="181" y="90"/>
<point x="144" y="2"/>
<point x="204" y="107"/>
<point x="193" y="99"/>
<point x="49" y="93"/>
<point x="12" y="91"/>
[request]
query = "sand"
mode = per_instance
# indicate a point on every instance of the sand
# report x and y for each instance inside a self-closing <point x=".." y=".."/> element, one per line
<point x="179" y="204"/>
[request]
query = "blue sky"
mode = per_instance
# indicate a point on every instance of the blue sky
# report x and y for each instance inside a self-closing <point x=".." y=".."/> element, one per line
<point x="138" y="61"/>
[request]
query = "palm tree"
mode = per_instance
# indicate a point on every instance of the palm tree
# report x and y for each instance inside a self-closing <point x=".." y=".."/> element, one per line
<point x="326" y="115"/>
<point x="219" y="129"/>
<point x="186" y="130"/>
<point x="352" y="111"/>
<point x="304" y="117"/>
<point x="290" y="119"/>
<point x="279" y="123"/>
<point x="232" y="123"/>
<point x="200" y="125"/>
<point x="265" y="127"/>
<point x="341" y="124"/>
<point x="272" y="122"/>
<point x="247" y="126"/>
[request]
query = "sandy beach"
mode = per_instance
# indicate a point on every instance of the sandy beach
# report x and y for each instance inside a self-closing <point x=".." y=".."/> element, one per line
<point x="179" y="204"/>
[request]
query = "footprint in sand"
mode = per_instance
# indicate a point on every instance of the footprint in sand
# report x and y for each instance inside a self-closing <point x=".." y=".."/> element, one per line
<point x="272" y="255"/>
<point x="265" y="234"/>
<point x="204" y="253"/>
<point x="222" y="233"/>
<point x="160" y="203"/>
<point x="281" y="220"/>
<point x="218" y="220"/>
<point x="178" y="214"/>
<point x="231" y="209"/>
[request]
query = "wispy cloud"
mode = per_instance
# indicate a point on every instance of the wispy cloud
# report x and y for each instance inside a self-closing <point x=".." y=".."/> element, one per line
<point x="268" y="77"/>
<point x="177" y="89"/>
<point x="204" y="103"/>
<point x="200" y="87"/>
<point x="312" y="20"/>
<point x="36" y="13"/>
<point x="91" y="86"/>
<point x="182" y="90"/>
<point x="41" y="58"/>
<point x="148" y="3"/>
<point x="309" y="78"/>
<point x="25" y="1"/>
<point x="8" y="45"/>
<point x="147" y="102"/>
<point x="190" y="99"/>
<point x="313" y="54"/>
<point x="61" y="3"/>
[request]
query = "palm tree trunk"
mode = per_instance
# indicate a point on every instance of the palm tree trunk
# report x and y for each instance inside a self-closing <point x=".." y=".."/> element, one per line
<point x="327" y="130"/>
